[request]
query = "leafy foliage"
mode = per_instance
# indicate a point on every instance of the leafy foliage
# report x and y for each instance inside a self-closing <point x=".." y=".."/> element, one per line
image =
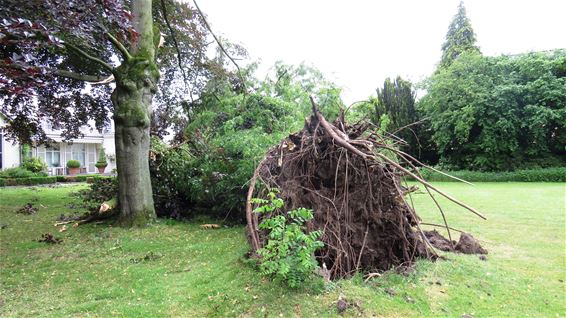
<point x="188" y="67"/>
<point x="394" y="112"/>
<point x="20" y="172"/>
<point x="100" y="190"/>
<point x="499" y="113"/>
<point x="101" y="163"/>
<point x="169" y="170"/>
<point x="34" y="164"/>
<point x="231" y="132"/>
<point x="289" y="253"/>
<point x="40" y="45"/>
<point x="43" y="48"/>
<point x="73" y="164"/>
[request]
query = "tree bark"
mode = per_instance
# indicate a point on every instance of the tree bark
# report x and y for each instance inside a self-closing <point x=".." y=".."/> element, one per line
<point x="136" y="80"/>
<point x="135" y="87"/>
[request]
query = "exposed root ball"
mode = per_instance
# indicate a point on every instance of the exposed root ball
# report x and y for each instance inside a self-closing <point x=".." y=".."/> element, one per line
<point x="354" y="188"/>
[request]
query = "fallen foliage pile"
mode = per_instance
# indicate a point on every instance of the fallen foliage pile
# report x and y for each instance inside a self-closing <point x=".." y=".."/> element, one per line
<point x="27" y="209"/>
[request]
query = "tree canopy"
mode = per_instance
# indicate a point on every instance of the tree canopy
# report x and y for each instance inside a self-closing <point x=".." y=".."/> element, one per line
<point x="499" y="113"/>
<point x="57" y="59"/>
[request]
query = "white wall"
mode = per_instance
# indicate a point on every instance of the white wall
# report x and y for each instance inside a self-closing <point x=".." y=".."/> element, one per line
<point x="10" y="154"/>
<point x="110" y="150"/>
<point x="10" y="151"/>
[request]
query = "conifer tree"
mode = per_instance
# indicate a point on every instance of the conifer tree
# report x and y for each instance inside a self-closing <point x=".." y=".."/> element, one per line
<point x="459" y="39"/>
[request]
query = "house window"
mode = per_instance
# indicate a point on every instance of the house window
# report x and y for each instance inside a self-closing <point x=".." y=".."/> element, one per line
<point x="53" y="156"/>
<point x="78" y="153"/>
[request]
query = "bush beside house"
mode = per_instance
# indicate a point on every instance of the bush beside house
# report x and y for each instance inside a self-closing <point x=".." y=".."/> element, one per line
<point x="101" y="164"/>
<point x="74" y="166"/>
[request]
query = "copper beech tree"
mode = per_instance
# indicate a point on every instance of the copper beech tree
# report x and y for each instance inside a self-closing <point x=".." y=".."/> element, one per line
<point x="73" y="62"/>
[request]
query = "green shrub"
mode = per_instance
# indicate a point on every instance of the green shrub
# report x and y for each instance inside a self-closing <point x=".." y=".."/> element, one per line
<point x="169" y="169"/>
<point x="81" y="178"/>
<point x="227" y="141"/>
<point x="557" y="174"/>
<point x="27" y="181"/>
<point x="35" y="180"/>
<point x="34" y="164"/>
<point x="20" y="172"/>
<point x="289" y="253"/>
<point x="77" y="178"/>
<point x="73" y="164"/>
<point x="101" y="163"/>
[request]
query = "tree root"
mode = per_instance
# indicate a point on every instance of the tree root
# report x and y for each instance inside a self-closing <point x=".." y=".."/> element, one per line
<point x="352" y="181"/>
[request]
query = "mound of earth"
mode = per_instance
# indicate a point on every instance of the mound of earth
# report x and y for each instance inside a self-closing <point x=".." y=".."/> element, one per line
<point x="467" y="244"/>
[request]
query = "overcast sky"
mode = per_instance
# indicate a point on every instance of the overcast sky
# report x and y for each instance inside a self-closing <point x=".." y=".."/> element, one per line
<point x="358" y="44"/>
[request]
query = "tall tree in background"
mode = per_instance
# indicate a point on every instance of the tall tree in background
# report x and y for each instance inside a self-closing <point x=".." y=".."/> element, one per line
<point x="394" y="110"/>
<point x="499" y="113"/>
<point x="53" y="52"/>
<point x="459" y="39"/>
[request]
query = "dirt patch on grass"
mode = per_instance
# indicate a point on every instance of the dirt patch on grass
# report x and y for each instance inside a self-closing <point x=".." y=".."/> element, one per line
<point x="467" y="244"/>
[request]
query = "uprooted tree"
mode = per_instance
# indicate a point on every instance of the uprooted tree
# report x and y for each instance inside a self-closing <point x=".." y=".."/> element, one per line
<point x="352" y="179"/>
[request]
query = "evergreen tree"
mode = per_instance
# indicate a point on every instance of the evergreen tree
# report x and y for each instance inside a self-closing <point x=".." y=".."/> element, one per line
<point x="394" y="110"/>
<point x="460" y="38"/>
<point x="396" y="100"/>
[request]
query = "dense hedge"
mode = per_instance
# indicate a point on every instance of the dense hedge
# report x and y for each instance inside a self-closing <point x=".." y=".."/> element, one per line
<point x="557" y="174"/>
<point x="27" y="181"/>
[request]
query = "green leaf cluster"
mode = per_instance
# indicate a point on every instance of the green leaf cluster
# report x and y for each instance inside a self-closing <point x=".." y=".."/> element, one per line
<point x="230" y="132"/>
<point x="288" y="255"/>
<point x="101" y="159"/>
<point x="34" y="164"/>
<point x="499" y="113"/>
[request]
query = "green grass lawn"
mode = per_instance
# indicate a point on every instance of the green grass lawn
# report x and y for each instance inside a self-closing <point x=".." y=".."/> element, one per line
<point x="178" y="269"/>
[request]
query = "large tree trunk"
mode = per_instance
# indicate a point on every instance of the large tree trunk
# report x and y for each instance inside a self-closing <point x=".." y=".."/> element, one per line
<point x="136" y="80"/>
<point x="132" y="101"/>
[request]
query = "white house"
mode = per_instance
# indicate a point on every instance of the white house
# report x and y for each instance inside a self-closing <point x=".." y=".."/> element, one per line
<point x="85" y="150"/>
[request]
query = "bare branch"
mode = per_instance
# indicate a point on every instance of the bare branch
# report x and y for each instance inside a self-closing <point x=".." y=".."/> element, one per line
<point x="82" y="77"/>
<point x="220" y="44"/>
<point x="107" y="80"/>
<point x="89" y="57"/>
<point x="125" y="53"/>
<point x="396" y="165"/>
<point x="95" y="79"/>
<point x="166" y="18"/>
